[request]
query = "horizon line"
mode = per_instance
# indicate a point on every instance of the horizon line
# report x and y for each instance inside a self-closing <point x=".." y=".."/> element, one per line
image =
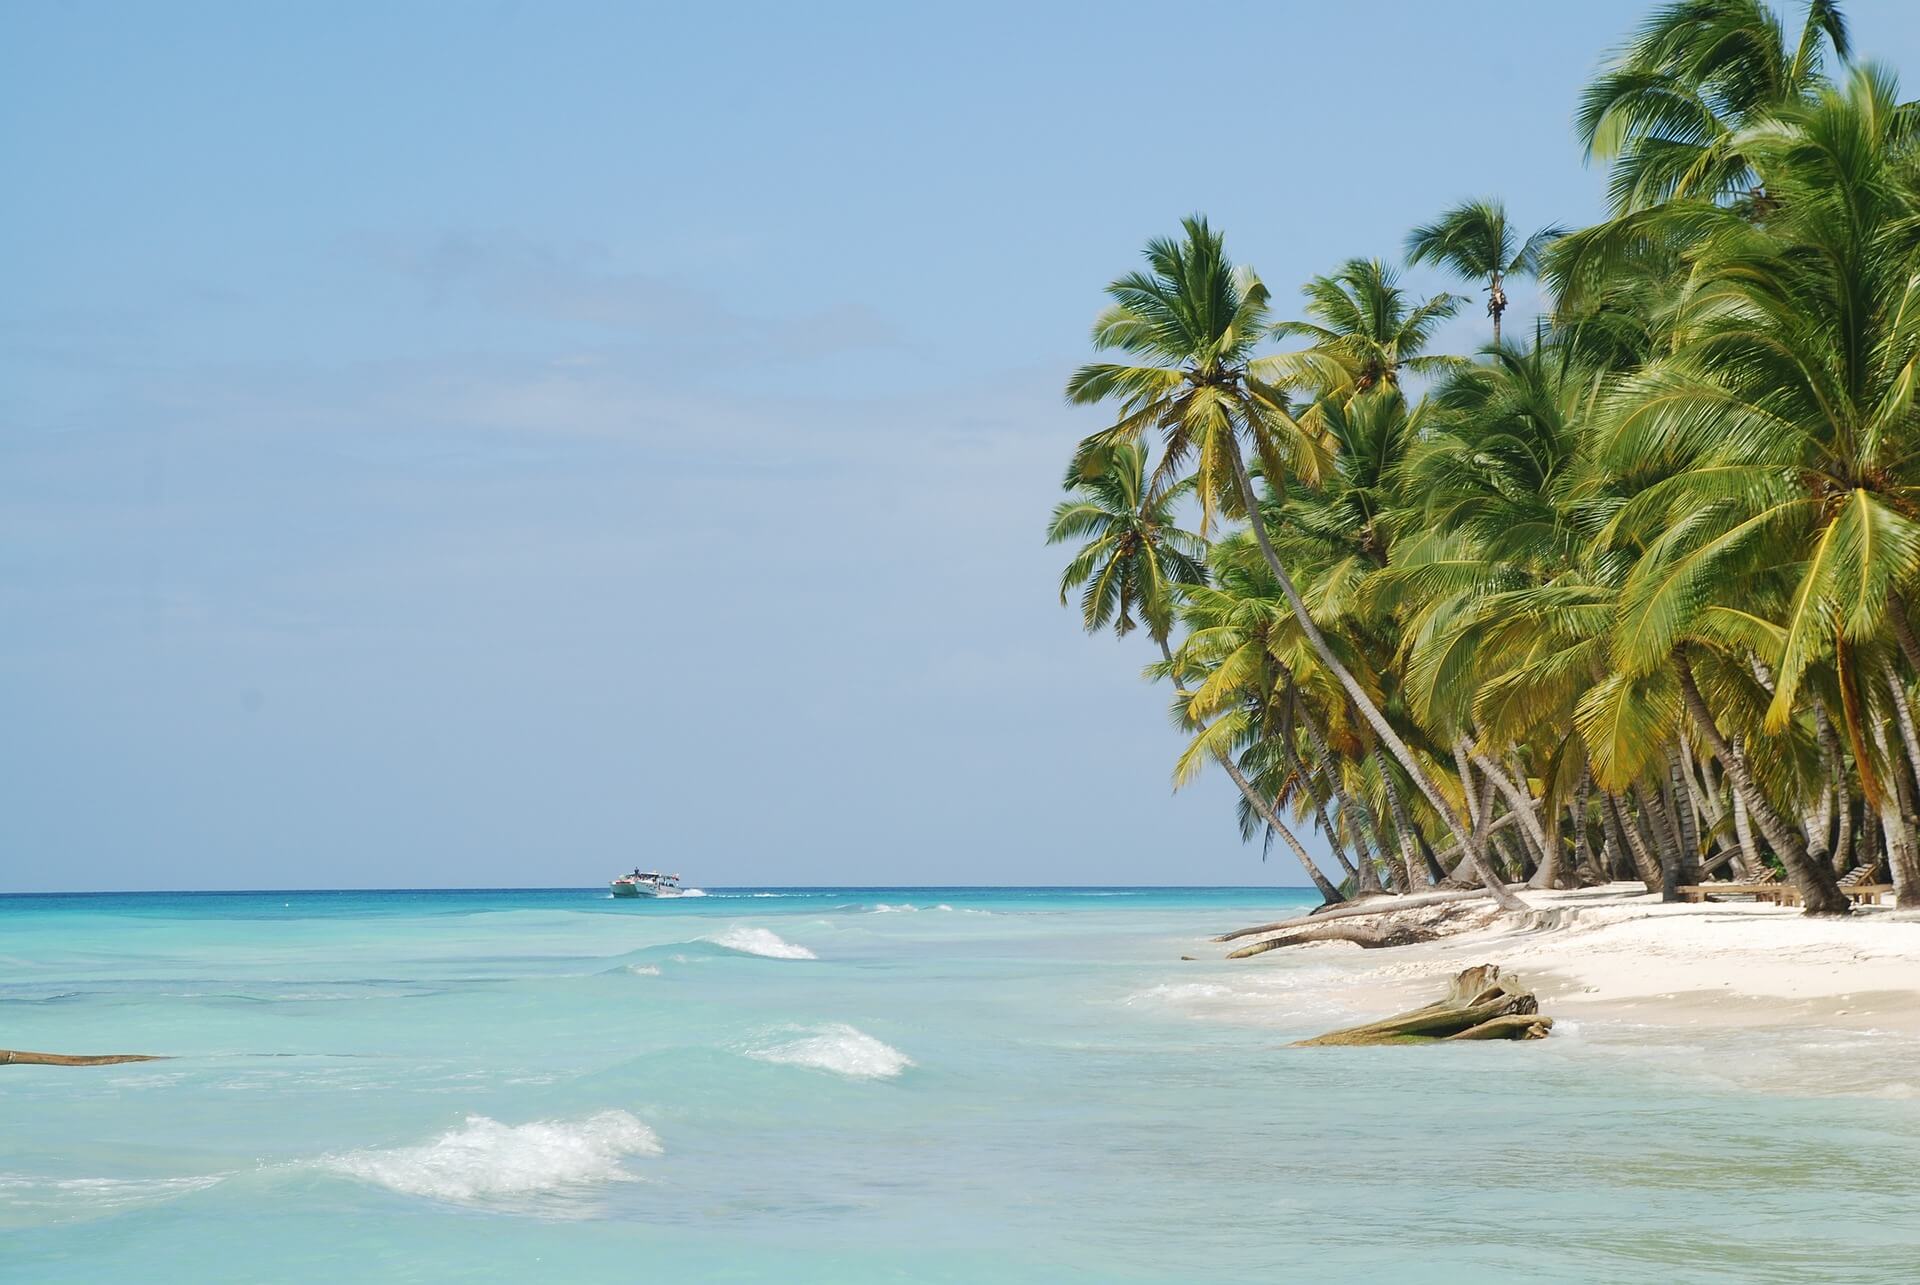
<point x="748" y="887"/>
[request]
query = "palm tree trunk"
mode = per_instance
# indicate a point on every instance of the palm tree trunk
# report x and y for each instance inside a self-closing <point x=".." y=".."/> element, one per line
<point x="1403" y="822"/>
<point x="1689" y="835"/>
<point x="1818" y="889"/>
<point x="1521" y="802"/>
<point x="1328" y="893"/>
<point x="1869" y="848"/>
<point x="1299" y="771"/>
<point x="1837" y="793"/>
<point x="1751" y="867"/>
<point x="1660" y="826"/>
<point x="1708" y="807"/>
<point x="1361" y="701"/>
<point x="1903" y="629"/>
<point x="1262" y="808"/>
<point x="1330" y="766"/>
<point x="1585" y="860"/>
<point x="1629" y="837"/>
<point x="1368" y="879"/>
<point x="1896" y="813"/>
<point x="1519" y="855"/>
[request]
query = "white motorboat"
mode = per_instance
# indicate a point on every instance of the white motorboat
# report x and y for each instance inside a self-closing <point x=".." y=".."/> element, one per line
<point x="646" y="883"/>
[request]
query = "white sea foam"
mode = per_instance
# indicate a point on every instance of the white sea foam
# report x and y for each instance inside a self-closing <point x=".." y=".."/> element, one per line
<point x="1180" y="992"/>
<point x="884" y="909"/>
<point x="687" y="892"/>
<point x="484" y="1159"/>
<point x="759" y="941"/>
<point x="644" y="970"/>
<point x="842" y="1049"/>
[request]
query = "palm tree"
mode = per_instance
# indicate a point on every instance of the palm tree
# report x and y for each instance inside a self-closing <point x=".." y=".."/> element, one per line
<point x="1782" y="432"/>
<point x="1192" y="324"/>
<point x="1365" y="331"/>
<point x="1475" y="240"/>
<point x="1135" y="552"/>
<point x="1134" y="560"/>
<point x="1671" y="109"/>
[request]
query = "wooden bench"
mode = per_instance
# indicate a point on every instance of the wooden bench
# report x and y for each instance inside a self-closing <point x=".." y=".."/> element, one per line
<point x="1857" y="894"/>
<point x="1759" y="891"/>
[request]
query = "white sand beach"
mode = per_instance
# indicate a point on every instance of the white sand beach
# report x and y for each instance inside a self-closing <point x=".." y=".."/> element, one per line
<point x="1618" y="952"/>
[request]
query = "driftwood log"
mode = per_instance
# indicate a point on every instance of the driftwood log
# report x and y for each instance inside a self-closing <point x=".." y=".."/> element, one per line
<point x="20" y="1057"/>
<point x="1364" y="935"/>
<point x="1384" y="904"/>
<point x="1481" y="1004"/>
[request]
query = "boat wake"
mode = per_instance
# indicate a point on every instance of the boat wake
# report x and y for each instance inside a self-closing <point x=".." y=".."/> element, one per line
<point x="486" y="1160"/>
<point x="841" y="1049"/>
<point x="759" y="941"/>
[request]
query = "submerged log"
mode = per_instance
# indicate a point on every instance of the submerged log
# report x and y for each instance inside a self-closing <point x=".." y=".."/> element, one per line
<point x="20" y="1057"/>
<point x="1481" y="1004"/>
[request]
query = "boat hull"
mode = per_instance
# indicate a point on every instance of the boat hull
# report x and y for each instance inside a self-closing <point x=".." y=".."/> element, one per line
<point x="634" y="890"/>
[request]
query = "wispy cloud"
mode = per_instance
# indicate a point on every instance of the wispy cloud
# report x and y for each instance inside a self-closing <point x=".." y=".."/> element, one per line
<point x="583" y="285"/>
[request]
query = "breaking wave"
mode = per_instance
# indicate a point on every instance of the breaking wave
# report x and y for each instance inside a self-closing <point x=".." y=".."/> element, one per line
<point x="841" y="1049"/>
<point x="484" y="1159"/>
<point x="759" y="941"/>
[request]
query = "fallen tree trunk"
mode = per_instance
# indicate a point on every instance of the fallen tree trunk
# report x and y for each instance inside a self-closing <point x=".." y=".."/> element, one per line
<point x="1480" y="1005"/>
<point x="1359" y="934"/>
<point x="20" y="1057"/>
<point x="1382" y="905"/>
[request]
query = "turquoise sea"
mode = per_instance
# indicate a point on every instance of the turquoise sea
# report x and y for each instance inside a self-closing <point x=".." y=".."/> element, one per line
<point x="866" y="1084"/>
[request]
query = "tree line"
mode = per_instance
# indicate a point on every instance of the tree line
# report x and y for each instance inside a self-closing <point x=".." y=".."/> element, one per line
<point x="1626" y="596"/>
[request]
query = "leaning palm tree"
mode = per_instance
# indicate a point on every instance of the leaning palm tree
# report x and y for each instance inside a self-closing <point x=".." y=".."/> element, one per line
<point x="1670" y="110"/>
<point x="1134" y="562"/>
<point x="1191" y="323"/>
<point x="1476" y="241"/>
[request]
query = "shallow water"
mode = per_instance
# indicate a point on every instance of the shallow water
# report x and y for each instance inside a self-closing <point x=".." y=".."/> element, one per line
<point x="876" y="1085"/>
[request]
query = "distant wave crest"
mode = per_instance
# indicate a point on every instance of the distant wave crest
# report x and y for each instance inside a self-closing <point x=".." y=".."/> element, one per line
<point x="72" y="1199"/>
<point x="841" y="1049"/>
<point x="484" y="1159"/>
<point x="759" y="941"/>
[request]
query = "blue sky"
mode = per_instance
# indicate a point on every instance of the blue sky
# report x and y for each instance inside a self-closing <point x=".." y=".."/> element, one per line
<point x="493" y="444"/>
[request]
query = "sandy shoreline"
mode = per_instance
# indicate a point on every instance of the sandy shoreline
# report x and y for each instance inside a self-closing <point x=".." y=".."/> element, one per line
<point x="1619" y="953"/>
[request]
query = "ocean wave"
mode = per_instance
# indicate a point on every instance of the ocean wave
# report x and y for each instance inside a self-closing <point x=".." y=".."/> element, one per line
<point x="70" y="1199"/>
<point x="687" y="892"/>
<point x="759" y="941"/>
<point x="642" y="970"/>
<point x="841" y="1049"/>
<point x="484" y="1159"/>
